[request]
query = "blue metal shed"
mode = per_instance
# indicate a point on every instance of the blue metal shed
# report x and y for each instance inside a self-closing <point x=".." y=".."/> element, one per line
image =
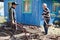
<point x="32" y="18"/>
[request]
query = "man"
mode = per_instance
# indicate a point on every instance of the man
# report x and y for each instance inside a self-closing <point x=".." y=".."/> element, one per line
<point x="12" y="17"/>
<point x="12" y="14"/>
<point x="46" y="16"/>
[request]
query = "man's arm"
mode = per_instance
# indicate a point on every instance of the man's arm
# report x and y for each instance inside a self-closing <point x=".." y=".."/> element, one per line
<point x="12" y="18"/>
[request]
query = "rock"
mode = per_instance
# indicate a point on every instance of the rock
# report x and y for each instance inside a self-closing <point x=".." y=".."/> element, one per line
<point x="12" y="38"/>
<point x="34" y="36"/>
<point x="34" y="39"/>
<point x="44" y="38"/>
<point x="41" y="37"/>
<point x="52" y="36"/>
<point x="33" y="30"/>
<point x="58" y="38"/>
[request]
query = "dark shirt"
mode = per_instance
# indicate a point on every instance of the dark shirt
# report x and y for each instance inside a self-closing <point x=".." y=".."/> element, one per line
<point x="12" y="14"/>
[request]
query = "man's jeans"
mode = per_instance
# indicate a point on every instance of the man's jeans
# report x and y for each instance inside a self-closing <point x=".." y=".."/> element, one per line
<point x="46" y="28"/>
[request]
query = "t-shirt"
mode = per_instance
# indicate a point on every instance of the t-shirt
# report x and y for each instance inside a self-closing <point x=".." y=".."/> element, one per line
<point x="46" y="13"/>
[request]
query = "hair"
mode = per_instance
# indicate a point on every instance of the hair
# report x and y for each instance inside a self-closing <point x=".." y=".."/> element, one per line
<point x="44" y="4"/>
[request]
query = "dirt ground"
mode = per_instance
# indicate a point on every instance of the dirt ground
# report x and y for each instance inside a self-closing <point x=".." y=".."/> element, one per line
<point x="36" y="34"/>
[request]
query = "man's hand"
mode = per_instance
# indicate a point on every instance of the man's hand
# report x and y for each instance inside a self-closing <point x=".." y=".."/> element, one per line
<point x="13" y="22"/>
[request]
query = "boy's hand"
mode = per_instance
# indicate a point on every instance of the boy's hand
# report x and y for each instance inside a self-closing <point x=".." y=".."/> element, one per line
<point x="13" y="22"/>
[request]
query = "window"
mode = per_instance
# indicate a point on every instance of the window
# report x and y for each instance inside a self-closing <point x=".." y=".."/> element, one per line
<point x="55" y="5"/>
<point x="56" y="8"/>
<point x="27" y="6"/>
<point x="1" y="8"/>
<point x="2" y="18"/>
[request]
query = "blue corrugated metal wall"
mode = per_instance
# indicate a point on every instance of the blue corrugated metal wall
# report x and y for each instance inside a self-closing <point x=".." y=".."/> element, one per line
<point x="33" y="18"/>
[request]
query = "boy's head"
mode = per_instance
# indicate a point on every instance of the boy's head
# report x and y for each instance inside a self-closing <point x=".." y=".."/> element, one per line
<point x="44" y="5"/>
<point x="14" y="4"/>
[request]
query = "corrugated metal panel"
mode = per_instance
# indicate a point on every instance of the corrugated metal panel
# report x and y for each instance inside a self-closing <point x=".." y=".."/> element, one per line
<point x="33" y="18"/>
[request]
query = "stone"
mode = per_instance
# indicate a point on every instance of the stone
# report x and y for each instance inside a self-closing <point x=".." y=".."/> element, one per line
<point x="58" y="38"/>
<point x="52" y="36"/>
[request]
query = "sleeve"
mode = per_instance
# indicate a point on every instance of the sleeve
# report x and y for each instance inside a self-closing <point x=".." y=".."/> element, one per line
<point x="12" y="11"/>
<point x="11" y="15"/>
<point x="48" y="12"/>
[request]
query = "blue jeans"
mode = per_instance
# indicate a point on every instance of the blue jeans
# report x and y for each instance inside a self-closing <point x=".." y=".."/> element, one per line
<point x="46" y="28"/>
